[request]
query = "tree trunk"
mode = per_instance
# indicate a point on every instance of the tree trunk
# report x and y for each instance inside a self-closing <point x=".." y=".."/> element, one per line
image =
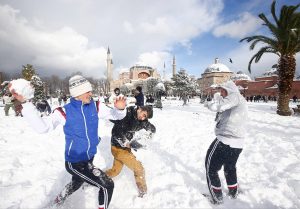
<point x="286" y="70"/>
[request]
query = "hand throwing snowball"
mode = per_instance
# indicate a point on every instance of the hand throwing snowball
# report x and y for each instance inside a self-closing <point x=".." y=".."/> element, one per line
<point x="21" y="89"/>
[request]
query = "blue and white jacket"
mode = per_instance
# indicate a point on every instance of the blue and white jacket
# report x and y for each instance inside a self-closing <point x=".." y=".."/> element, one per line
<point x="80" y="123"/>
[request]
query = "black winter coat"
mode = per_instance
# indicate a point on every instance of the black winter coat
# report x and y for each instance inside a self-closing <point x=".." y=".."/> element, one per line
<point x="125" y="128"/>
<point x="139" y="99"/>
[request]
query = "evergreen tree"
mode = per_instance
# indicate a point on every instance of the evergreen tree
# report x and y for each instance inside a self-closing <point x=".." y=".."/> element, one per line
<point x="150" y="84"/>
<point x="28" y="71"/>
<point x="38" y="86"/>
<point x="169" y="88"/>
<point x="182" y="83"/>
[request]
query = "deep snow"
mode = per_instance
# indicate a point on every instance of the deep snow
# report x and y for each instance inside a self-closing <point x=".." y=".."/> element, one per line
<point x="32" y="165"/>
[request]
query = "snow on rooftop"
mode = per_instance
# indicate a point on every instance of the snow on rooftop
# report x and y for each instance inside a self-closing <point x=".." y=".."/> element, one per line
<point x="240" y="76"/>
<point x="272" y="71"/>
<point x="217" y="67"/>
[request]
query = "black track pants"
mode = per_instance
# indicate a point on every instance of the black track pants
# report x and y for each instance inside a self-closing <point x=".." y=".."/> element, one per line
<point x="218" y="155"/>
<point x="86" y="172"/>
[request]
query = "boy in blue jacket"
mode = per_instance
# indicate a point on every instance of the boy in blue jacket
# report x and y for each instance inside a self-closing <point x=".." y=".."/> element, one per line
<point x="80" y="123"/>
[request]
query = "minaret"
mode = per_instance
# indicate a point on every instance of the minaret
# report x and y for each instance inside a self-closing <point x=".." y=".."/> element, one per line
<point x="174" y="66"/>
<point x="164" y="72"/>
<point x="109" y="69"/>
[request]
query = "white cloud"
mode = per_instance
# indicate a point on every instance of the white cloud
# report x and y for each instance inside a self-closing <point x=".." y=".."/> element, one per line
<point x="77" y="40"/>
<point x="128" y="27"/>
<point x="63" y="50"/>
<point x="246" y="24"/>
<point x="154" y="59"/>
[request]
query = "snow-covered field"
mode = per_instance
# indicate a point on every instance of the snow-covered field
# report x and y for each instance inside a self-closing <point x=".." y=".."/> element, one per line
<point x="32" y="166"/>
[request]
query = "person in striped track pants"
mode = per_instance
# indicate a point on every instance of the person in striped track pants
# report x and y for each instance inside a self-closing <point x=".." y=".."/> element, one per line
<point x="231" y="118"/>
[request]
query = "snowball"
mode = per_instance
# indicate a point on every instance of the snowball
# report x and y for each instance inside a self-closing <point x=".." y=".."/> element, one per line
<point x="22" y="87"/>
<point x="217" y="96"/>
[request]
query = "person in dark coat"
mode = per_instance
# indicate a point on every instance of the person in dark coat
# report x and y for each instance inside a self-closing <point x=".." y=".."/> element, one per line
<point x="122" y="141"/>
<point x="139" y="96"/>
<point x="44" y="107"/>
<point x="295" y="98"/>
<point x="149" y="100"/>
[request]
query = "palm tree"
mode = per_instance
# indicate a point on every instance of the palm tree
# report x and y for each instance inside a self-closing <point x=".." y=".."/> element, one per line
<point x="284" y="42"/>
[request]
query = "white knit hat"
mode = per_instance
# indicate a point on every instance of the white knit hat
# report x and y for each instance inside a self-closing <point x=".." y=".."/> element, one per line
<point x="79" y="85"/>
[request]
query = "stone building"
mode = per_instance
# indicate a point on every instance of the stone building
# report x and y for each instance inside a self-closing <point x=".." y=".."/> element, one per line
<point x="265" y="85"/>
<point x="134" y="75"/>
<point x="215" y="74"/>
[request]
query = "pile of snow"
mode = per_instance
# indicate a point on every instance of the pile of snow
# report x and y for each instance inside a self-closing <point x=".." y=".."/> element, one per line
<point x="240" y="76"/>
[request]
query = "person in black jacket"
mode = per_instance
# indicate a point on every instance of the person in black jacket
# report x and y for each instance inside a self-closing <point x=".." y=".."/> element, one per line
<point x="139" y="96"/>
<point x="44" y="107"/>
<point x="122" y="141"/>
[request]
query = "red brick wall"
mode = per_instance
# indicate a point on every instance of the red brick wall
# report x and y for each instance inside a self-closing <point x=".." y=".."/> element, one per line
<point x="295" y="89"/>
<point x="261" y="87"/>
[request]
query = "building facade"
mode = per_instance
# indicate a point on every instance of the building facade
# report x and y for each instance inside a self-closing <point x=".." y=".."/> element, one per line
<point x="265" y="86"/>
<point x="134" y="75"/>
<point x="215" y="74"/>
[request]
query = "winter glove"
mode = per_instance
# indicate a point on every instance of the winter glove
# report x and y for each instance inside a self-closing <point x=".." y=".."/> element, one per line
<point x="149" y="127"/>
<point x="129" y="135"/>
<point x="135" y="145"/>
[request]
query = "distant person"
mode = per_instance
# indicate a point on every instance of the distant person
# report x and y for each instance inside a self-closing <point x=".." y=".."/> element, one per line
<point x="18" y="107"/>
<point x="208" y="98"/>
<point x="80" y="120"/>
<point x="65" y="99"/>
<point x="122" y="141"/>
<point x="59" y="100"/>
<point x="114" y="95"/>
<point x="8" y="101"/>
<point x="295" y="98"/>
<point x="149" y="100"/>
<point x="185" y="99"/>
<point x="117" y="91"/>
<point x="106" y="98"/>
<point x="232" y="113"/>
<point x="44" y="107"/>
<point x="139" y="96"/>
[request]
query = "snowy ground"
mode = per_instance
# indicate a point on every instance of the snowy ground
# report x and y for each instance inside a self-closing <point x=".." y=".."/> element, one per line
<point x="32" y="165"/>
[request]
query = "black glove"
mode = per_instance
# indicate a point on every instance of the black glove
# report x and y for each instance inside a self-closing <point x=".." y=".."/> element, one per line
<point x="135" y="145"/>
<point x="128" y="135"/>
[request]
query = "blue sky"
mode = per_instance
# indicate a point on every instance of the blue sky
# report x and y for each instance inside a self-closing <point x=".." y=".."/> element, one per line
<point x="63" y="36"/>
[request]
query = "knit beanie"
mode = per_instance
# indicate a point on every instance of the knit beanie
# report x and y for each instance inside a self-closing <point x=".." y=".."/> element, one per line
<point x="79" y="85"/>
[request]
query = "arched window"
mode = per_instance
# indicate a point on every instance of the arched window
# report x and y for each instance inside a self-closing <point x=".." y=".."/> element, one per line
<point x="143" y="75"/>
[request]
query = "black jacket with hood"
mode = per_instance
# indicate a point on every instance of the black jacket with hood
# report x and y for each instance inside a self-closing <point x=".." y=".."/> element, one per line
<point x="124" y="129"/>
